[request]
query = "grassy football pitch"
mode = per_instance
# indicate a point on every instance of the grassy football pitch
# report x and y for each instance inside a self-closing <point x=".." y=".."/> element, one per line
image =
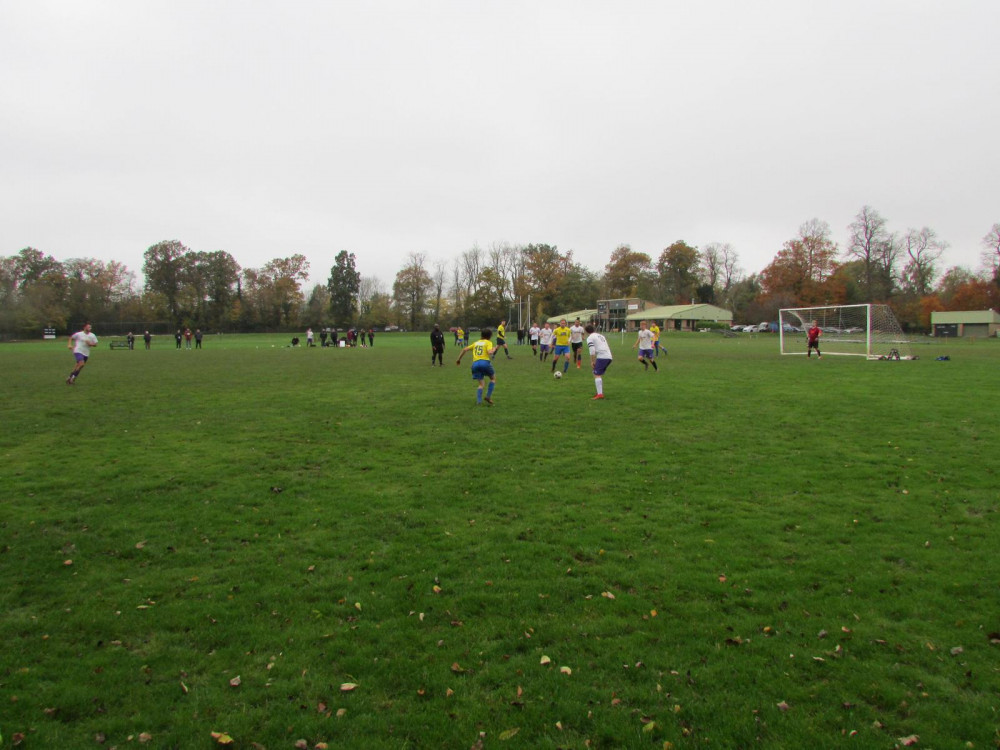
<point x="259" y="546"/>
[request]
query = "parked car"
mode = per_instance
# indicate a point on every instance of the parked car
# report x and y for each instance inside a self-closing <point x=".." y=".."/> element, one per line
<point x="789" y="328"/>
<point x="749" y="329"/>
<point x="764" y="327"/>
<point x="738" y="327"/>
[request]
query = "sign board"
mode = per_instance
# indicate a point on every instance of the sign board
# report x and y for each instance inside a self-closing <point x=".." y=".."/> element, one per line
<point x="50" y="333"/>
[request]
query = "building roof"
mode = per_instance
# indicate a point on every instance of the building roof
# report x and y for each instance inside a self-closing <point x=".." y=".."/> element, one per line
<point x="584" y="315"/>
<point x="682" y="312"/>
<point x="965" y="316"/>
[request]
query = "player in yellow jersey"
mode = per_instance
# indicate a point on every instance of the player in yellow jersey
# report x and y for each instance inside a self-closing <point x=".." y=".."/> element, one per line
<point x="656" y="338"/>
<point x="561" y="336"/>
<point x="502" y="339"/>
<point x="482" y="365"/>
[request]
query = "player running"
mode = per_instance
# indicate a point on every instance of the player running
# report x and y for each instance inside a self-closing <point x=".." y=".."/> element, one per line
<point x="502" y="339"/>
<point x="80" y="342"/>
<point x="561" y="335"/>
<point x="576" y="334"/>
<point x="482" y="365"/>
<point x="645" y="343"/>
<point x="545" y="342"/>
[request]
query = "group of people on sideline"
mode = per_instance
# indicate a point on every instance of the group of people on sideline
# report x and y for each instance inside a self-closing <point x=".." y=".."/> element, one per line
<point x="328" y="337"/>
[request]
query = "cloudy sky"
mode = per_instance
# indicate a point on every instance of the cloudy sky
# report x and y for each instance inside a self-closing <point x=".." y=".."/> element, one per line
<point x="385" y="127"/>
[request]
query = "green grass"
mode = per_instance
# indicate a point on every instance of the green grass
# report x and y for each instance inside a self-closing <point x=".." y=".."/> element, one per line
<point x="740" y="550"/>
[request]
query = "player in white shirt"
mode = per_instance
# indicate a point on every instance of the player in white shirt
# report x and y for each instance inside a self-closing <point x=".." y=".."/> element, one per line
<point x="646" y="342"/>
<point x="80" y="342"/>
<point x="576" y="332"/>
<point x="533" y="337"/>
<point x="600" y="358"/>
<point x="545" y="341"/>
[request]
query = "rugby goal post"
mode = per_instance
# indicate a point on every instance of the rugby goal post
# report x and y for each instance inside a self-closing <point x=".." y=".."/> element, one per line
<point x="869" y="331"/>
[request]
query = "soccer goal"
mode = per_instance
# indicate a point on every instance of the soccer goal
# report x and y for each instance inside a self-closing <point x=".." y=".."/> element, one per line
<point x="870" y="331"/>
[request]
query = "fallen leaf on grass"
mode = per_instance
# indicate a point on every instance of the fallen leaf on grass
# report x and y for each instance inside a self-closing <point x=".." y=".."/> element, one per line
<point x="607" y="595"/>
<point x="235" y="682"/>
<point x="508" y="733"/>
<point x="649" y="727"/>
<point x="145" y="737"/>
<point x="456" y="668"/>
<point x="783" y="706"/>
<point x="222" y="738"/>
<point x="909" y="741"/>
<point x="565" y="670"/>
<point x="545" y="660"/>
<point x="341" y="712"/>
<point x="346" y="687"/>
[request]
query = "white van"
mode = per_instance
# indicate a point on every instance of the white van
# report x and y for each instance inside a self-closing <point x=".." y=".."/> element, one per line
<point x="764" y="327"/>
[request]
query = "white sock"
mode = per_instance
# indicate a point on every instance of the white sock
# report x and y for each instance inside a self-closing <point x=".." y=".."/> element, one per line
<point x="599" y="384"/>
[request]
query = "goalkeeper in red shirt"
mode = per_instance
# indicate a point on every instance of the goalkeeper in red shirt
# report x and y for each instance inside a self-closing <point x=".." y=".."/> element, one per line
<point x="813" y="335"/>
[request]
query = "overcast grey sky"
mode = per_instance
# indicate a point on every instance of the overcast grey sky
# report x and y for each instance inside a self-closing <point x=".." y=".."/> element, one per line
<point x="386" y="127"/>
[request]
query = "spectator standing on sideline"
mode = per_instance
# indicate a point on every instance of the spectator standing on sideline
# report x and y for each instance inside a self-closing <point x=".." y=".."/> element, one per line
<point x="80" y="343"/>
<point x="322" y="339"/>
<point x="309" y="337"/>
<point x="187" y="338"/>
<point x="131" y="340"/>
<point x="600" y="358"/>
<point x="198" y="335"/>
<point x="371" y="337"/>
<point x="437" y="346"/>
<point x="178" y="337"/>
<point x="147" y="339"/>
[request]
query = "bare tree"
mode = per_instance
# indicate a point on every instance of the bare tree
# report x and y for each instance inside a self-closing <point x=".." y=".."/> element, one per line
<point x="472" y="267"/>
<point x="924" y="249"/>
<point x="711" y="263"/>
<point x="369" y="288"/>
<point x="991" y="254"/>
<point x="871" y="243"/>
<point x="438" y="277"/>
<point x="505" y="261"/>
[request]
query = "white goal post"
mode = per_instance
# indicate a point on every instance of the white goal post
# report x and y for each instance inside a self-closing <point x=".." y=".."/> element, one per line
<point x="870" y="331"/>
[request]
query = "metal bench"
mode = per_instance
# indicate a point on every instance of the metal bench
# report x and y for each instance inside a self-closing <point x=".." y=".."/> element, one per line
<point x="119" y="344"/>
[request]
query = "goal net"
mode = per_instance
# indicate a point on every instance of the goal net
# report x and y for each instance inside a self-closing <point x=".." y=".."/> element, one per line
<point x="870" y="331"/>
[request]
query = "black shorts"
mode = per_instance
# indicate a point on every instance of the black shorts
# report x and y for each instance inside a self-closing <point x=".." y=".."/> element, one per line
<point x="577" y="346"/>
<point x="501" y="341"/>
<point x="813" y="345"/>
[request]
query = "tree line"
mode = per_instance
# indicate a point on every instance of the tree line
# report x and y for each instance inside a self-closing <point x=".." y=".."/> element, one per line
<point x="211" y="291"/>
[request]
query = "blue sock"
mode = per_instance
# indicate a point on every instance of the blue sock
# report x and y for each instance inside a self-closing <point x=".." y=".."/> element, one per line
<point x="489" y="390"/>
<point x="566" y="366"/>
<point x="479" y="395"/>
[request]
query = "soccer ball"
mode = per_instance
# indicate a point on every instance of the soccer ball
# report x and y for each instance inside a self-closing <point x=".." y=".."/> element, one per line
<point x="557" y="374"/>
